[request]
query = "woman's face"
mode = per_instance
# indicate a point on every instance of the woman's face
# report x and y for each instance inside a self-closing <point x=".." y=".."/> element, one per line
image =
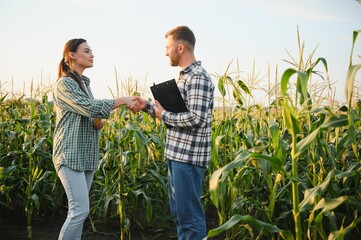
<point x="82" y="57"/>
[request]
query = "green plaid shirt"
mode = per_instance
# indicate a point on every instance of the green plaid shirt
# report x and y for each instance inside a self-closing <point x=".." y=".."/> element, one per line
<point x="75" y="138"/>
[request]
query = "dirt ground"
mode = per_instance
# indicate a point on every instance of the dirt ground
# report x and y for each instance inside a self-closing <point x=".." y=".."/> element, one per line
<point x="14" y="228"/>
<point x="49" y="230"/>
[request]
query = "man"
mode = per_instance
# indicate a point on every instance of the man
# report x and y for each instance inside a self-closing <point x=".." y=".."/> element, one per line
<point x="188" y="144"/>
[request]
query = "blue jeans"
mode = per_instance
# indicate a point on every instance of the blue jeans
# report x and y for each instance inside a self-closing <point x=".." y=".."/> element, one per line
<point x="185" y="189"/>
<point x="77" y="185"/>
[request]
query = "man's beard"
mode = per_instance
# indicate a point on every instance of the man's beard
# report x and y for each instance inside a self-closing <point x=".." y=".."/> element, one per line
<point x="174" y="62"/>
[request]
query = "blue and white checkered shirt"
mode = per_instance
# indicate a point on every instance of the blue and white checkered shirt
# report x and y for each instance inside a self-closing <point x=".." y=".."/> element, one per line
<point x="189" y="138"/>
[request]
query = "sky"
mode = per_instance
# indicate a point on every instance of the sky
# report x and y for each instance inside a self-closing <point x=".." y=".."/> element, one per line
<point x="127" y="39"/>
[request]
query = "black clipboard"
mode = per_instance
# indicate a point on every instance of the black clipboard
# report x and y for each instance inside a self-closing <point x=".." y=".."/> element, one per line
<point x="168" y="95"/>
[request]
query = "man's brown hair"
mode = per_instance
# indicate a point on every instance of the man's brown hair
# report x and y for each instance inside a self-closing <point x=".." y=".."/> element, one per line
<point x="183" y="33"/>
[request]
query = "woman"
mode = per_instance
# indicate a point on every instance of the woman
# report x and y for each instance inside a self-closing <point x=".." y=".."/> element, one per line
<point x="78" y="114"/>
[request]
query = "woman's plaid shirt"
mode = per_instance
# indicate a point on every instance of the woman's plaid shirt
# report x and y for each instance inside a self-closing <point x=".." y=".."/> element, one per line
<point x="75" y="138"/>
<point x="189" y="138"/>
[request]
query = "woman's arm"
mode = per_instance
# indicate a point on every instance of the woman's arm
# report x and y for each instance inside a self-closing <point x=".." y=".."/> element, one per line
<point x="131" y="103"/>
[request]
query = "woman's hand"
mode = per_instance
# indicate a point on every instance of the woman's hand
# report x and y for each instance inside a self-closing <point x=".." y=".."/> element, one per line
<point x="98" y="124"/>
<point x="133" y="104"/>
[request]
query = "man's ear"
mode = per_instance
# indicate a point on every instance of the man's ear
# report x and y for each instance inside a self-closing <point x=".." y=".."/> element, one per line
<point x="181" y="48"/>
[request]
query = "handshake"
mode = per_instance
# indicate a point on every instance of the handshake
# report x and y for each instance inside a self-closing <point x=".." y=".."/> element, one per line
<point x="136" y="104"/>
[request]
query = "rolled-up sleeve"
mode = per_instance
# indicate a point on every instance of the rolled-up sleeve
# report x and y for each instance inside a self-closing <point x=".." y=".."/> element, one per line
<point x="72" y="98"/>
<point x="199" y="95"/>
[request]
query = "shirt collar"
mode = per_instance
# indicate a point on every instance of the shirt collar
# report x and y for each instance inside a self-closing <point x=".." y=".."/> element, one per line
<point x="190" y="67"/>
<point x="86" y="80"/>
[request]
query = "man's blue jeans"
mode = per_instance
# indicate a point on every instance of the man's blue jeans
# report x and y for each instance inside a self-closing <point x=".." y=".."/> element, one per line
<point x="77" y="185"/>
<point x="185" y="189"/>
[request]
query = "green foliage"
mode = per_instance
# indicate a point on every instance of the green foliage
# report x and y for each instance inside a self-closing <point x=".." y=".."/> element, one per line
<point x="307" y="163"/>
<point x="290" y="170"/>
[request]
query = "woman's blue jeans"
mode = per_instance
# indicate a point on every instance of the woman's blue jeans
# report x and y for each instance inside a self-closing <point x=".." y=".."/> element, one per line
<point x="185" y="189"/>
<point x="77" y="185"/>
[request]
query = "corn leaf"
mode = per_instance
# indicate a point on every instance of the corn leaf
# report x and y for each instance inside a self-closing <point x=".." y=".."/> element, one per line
<point x="285" y="79"/>
<point x="350" y="81"/>
<point x="312" y="193"/>
<point x="214" y="180"/>
<point x="328" y="204"/>
<point x="335" y="121"/>
<point x="245" y="219"/>
<point x="290" y="119"/>
<point x="301" y="86"/>
<point x="244" y="87"/>
<point x="276" y="163"/>
<point x="340" y="234"/>
<point x="355" y="34"/>
<point x="306" y="142"/>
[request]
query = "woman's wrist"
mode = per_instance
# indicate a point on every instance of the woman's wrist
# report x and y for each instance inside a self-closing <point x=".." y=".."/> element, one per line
<point x="123" y="101"/>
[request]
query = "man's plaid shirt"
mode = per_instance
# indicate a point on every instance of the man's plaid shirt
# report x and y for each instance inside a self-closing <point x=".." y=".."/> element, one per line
<point x="75" y="138"/>
<point x="189" y="138"/>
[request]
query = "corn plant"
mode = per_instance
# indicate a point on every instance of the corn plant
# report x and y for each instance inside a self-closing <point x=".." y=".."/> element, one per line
<point x="308" y="150"/>
<point x="130" y="178"/>
<point x="290" y="170"/>
<point x="349" y="90"/>
<point x="26" y="130"/>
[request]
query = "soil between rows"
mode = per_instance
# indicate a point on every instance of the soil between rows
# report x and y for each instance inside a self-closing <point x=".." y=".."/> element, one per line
<point x="46" y="228"/>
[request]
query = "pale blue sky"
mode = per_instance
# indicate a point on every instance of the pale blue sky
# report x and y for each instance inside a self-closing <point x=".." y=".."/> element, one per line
<point x="129" y="35"/>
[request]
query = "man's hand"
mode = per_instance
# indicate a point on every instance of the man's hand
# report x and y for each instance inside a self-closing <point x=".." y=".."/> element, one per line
<point x="158" y="109"/>
<point x="142" y="102"/>
<point x="133" y="104"/>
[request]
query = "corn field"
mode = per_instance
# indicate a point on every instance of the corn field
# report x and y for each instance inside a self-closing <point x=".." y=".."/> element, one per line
<point x="291" y="170"/>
